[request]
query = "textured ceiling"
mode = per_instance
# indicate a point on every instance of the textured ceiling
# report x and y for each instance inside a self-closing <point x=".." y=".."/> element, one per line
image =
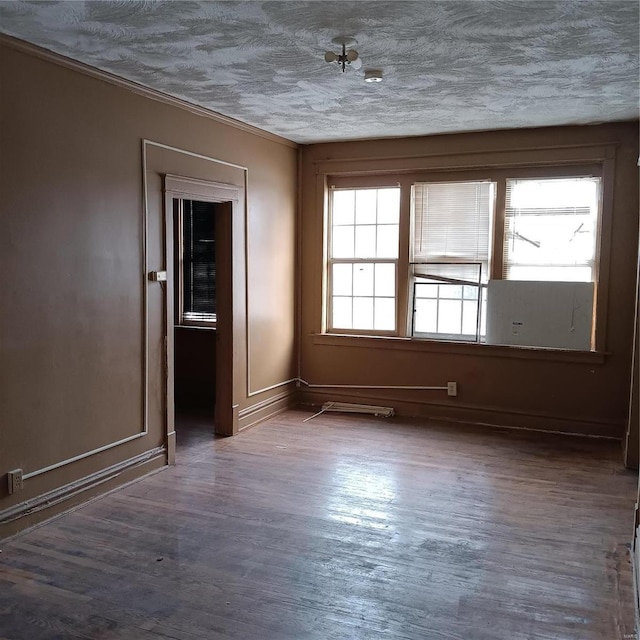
<point x="449" y="65"/>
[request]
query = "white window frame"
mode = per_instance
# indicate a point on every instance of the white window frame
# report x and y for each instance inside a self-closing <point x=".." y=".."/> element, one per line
<point x="441" y="260"/>
<point x="330" y="261"/>
<point x="593" y="262"/>
<point x="414" y="281"/>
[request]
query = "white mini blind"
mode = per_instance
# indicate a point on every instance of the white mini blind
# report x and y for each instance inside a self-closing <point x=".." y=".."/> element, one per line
<point x="452" y="223"/>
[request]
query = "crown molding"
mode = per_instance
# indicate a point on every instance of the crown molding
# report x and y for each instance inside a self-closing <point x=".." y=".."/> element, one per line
<point x="139" y="89"/>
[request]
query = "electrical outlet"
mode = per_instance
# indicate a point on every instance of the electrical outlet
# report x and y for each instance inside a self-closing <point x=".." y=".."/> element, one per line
<point x="15" y="480"/>
<point x="452" y="388"/>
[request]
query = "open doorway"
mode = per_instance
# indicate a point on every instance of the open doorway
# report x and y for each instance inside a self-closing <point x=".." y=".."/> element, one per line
<point x="201" y="377"/>
<point x="195" y="320"/>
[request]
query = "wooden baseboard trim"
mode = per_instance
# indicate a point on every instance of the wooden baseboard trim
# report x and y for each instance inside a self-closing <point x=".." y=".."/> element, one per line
<point x="267" y="408"/>
<point x="455" y="411"/>
<point x="72" y="490"/>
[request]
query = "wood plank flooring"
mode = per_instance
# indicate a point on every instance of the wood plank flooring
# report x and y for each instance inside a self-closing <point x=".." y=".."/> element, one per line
<point x="341" y="528"/>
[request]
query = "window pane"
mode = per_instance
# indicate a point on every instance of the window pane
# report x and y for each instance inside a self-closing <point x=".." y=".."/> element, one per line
<point x="551" y="239"/>
<point x="385" y="280"/>
<point x="366" y="206"/>
<point x="471" y="293"/>
<point x="451" y="291"/>
<point x="385" y="314"/>
<point x="388" y="206"/>
<point x="363" y="313"/>
<point x="342" y="313"/>
<point x="426" y="290"/>
<point x="483" y="314"/>
<point x="551" y="274"/>
<point x="342" y="279"/>
<point x="553" y="193"/>
<point x="198" y="261"/>
<point x="469" y="317"/>
<point x="387" y="241"/>
<point x="342" y="239"/>
<point x="363" y="280"/>
<point x="365" y="241"/>
<point x="426" y="316"/>
<point x="576" y="232"/>
<point x="450" y="317"/>
<point x="343" y="207"/>
<point x="551" y="222"/>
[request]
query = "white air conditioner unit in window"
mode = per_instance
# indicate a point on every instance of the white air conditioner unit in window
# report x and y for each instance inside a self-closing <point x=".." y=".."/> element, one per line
<point x="540" y="314"/>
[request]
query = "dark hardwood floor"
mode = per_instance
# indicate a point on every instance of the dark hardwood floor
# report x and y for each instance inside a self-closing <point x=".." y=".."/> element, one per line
<point x="341" y="528"/>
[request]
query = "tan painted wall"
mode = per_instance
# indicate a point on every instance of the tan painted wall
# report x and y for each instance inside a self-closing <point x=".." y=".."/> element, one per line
<point x="632" y="435"/>
<point x="497" y="385"/>
<point x="71" y="241"/>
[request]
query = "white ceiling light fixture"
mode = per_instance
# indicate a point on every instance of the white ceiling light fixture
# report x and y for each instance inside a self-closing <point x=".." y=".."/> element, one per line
<point x="373" y="75"/>
<point x="346" y="58"/>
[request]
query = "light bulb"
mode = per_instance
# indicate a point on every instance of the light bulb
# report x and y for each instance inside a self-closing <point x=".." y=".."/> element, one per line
<point x="330" y="56"/>
<point x="352" y="55"/>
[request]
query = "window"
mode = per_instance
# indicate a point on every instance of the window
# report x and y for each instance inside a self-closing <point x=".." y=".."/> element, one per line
<point x="550" y="229"/>
<point x="363" y="259"/>
<point x="450" y="257"/>
<point x="428" y="270"/>
<point x="197" y="260"/>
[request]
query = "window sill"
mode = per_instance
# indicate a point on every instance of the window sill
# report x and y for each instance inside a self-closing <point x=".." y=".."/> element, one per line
<point x="459" y="348"/>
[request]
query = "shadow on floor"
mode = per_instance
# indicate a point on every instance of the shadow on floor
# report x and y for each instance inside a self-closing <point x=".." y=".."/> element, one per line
<point x="194" y="430"/>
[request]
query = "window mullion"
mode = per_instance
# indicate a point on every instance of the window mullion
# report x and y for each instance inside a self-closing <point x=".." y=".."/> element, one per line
<point x="497" y="249"/>
<point x="403" y="284"/>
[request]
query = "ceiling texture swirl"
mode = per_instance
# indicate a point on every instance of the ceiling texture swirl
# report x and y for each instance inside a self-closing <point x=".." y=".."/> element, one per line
<point x="448" y="65"/>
